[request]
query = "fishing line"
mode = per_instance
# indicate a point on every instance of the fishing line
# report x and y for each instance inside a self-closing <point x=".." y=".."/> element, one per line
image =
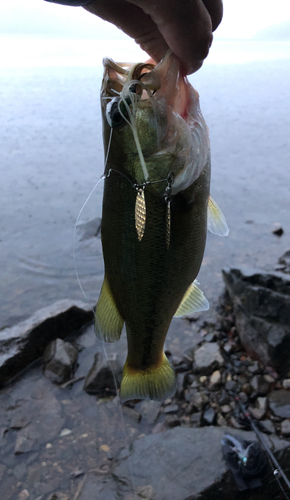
<point x="121" y="412"/>
<point x="93" y="307"/>
<point x="277" y="470"/>
<point x="74" y="241"/>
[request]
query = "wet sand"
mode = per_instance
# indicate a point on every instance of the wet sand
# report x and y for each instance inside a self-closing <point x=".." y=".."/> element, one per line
<point x="51" y="157"/>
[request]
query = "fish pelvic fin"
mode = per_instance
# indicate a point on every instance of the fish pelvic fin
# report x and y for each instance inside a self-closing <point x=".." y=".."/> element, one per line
<point x="193" y="301"/>
<point x="216" y="221"/>
<point x="157" y="382"/>
<point x="108" y="321"/>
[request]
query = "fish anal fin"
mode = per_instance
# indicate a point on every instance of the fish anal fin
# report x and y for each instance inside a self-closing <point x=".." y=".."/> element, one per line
<point x="157" y="382"/>
<point x="193" y="301"/>
<point x="216" y="222"/>
<point x="108" y="321"/>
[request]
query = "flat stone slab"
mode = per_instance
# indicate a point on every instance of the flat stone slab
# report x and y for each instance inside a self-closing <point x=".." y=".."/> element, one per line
<point x="23" y="343"/>
<point x="179" y="464"/>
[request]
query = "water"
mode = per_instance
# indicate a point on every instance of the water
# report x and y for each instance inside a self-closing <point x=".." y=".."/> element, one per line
<point x="51" y="157"/>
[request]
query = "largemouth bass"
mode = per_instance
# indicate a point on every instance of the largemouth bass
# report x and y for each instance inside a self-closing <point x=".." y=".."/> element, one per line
<point x="156" y="211"/>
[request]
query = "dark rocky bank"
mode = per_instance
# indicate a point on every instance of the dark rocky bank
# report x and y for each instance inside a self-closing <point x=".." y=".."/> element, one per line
<point x="62" y="438"/>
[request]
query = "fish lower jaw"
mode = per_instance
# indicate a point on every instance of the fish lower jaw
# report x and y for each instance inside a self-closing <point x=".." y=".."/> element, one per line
<point x="155" y="382"/>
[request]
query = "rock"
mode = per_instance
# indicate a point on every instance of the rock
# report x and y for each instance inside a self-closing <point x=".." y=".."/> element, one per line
<point x="231" y="385"/>
<point x="221" y="421"/>
<point x="58" y="496"/>
<point x="133" y="414"/>
<point x="209" y="416"/>
<point x="224" y="398"/>
<point x="286" y="383"/>
<point x="196" y="418"/>
<point x="208" y="358"/>
<point x="260" y="385"/>
<point x="257" y="413"/>
<point x="150" y="410"/>
<point x="23" y="495"/>
<point x="285" y="428"/>
<point x="203" y="379"/>
<point x="160" y="459"/>
<point x="198" y="400"/>
<point x="243" y="397"/>
<point x="261" y="303"/>
<point x="23" y="343"/>
<point x="146" y="492"/>
<point x="61" y="359"/>
<point x="100" y="379"/>
<point x="170" y="409"/>
<point x="172" y="421"/>
<point x="278" y="229"/>
<point x="65" y="432"/>
<point x="96" y="486"/>
<point x="180" y="380"/>
<point x="254" y="368"/>
<point x="284" y="262"/>
<point x="226" y="409"/>
<point x="215" y="380"/>
<point x="262" y="403"/>
<point x="267" y="426"/>
<point x="279" y="403"/>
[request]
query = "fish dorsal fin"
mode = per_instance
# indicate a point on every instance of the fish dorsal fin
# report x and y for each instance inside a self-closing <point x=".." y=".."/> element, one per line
<point x="193" y="301"/>
<point x="216" y="222"/>
<point x="108" y="321"/>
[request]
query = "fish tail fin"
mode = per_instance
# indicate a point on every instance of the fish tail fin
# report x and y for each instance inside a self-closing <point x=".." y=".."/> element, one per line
<point x="157" y="382"/>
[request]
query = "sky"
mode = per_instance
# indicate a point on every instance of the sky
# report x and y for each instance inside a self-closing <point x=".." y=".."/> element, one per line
<point x="243" y="19"/>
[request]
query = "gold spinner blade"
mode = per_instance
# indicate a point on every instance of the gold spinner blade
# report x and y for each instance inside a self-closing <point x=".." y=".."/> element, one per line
<point x="140" y="213"/>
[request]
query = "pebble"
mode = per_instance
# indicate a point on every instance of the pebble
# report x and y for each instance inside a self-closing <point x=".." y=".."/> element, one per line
<point x="285" y="428"/>
<point x="269" y="378"/>
<point x="221" y="421"/>
<point x="286" y="383"/>
<point x="145" y="492"/>
<point x="267" y="426"/>
<point x="199" y="400"/>
<point x="104" y="447"/>
<point x="254" y="368"/>
<point x="48" y="446"/>
<point x="226" y="409"/>
<point x="203" y="379"/>
<point x="260" y="385"/>
<point x="172" y="421"/>
<point x="196" y="418"/>
<point x="170" y="409"/>
<point x="134" y="414"/>
<point x="209" y="416"/>
<point x="65" y="432"/>
<point x="262" y="403"/>
<point x="215" y="380"/>
<point x="257" y="413"/>
<point x="23" y="495"/>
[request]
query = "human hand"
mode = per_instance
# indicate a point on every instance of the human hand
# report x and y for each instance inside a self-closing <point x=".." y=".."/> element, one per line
<point x="184" y="26"/>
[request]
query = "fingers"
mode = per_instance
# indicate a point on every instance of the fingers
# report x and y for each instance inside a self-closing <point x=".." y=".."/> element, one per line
<point x="134" y="22"/>
<point x="215" y="10"/>
<point x="186" y="27"/>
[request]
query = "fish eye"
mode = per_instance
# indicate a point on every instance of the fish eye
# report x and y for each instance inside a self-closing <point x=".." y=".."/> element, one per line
<point x="113" y="115"/>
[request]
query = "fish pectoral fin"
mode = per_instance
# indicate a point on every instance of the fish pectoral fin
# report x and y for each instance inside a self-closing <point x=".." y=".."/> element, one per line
<point x="193" y="301"/>
<point x="156" y="382"/>
<point x="216" y="221"/>
<point x="108" y="321"/>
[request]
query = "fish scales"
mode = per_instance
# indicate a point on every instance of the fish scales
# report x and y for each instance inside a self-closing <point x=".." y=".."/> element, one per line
<point x="146" y="278"/>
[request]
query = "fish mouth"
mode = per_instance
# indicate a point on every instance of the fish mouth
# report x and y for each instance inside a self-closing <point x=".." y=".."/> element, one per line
<point x="162" y="89"/>
<point x="149" y="79"/>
